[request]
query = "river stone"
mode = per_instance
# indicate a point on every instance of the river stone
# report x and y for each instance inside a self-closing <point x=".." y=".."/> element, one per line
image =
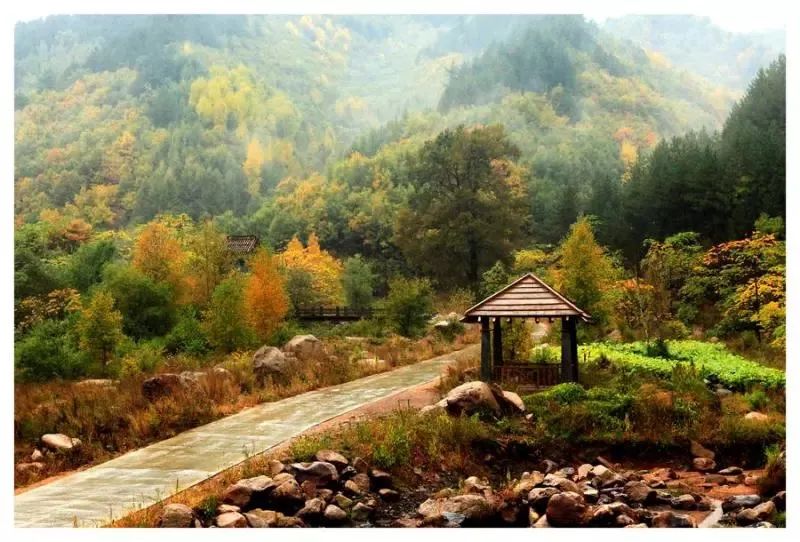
<point x="320" y="472"/>
<point x="388" y="495"/>
<point x="731" y="471"/>
<point x="312" y="509"/>
<point x="343" y="501"/>
<point x="763" y="512"/>
<point x="698" y="450"/>
<point x="361" y="512"/>
<point x="548" y="466"/>
<point x="624" y="521"/>
<point x="59" y="442"/>
<point x="540" y="496"/>
<point x="639" y="492"/>
<point x="566" y="510"/>
<point x="583" y="471"/>
<point x="561" y="483"/>
<point x="736" y="502"/>
<point x="360" y="465"/>
<point x="285" y="522"/>
<point x="527" y="481"/>
<point x="261" y="519"/>
<point x="637" y="526"/>
<point x="671" y="519"/>
<point x="471" y="397"/>
<point x="704" y="464"/>
<point x="380" y="479"/>
<point x="288" y="493"/>
<point x="304" y="346"/>
<point x="541" y="523"/>
<point x="334" y="458"/>
<point x="176" y="516"/>
<point x="230" y="520"/>
<point x="247" y="490"/>
<point x="275" y="467"/>
<point x="756" y="417"/>
<point x="334" y="514"/>
<point x="269" y="360"/>
<point x="684" y="502"/>
<point x="476" y="509"/>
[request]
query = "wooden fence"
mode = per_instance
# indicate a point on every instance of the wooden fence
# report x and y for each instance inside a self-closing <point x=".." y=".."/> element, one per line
<point x="336" y="314"/>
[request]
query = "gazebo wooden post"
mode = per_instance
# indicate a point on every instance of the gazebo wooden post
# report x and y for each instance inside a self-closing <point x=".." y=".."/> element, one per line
<point x="497" y="344"/>
<point x="569" y="350"/>
<point x="486" y="351"/>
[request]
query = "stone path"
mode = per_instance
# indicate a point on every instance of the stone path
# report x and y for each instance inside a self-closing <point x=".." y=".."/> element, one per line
<point x="142" y="477"/>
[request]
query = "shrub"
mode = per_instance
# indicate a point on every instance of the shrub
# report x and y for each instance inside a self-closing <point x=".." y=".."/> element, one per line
<point x="774" y="478"/>
<point x="87" y="264"/>
<point x="187" y="335"/>
<point x="223" y="321"/>
<point x="409" y="305"/>
<point x="146" y="306"/>
<point x="757" y="400"/>
<point x="358" y="282"/>
<point x="657" y="349"/>
<point x="566" y="393"/>
<point x="49" y="351"/>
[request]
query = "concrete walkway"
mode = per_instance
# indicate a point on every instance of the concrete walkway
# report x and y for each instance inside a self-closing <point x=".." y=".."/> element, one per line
<point x="140" y="478"/>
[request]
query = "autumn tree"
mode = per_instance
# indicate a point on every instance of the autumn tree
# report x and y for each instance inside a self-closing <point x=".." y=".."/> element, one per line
<point x="585" y="273"/>
<point x="158" y="255"/>
<point x="322" y="270"/>
<point x="208" y="261"/>
<point x="265" y="300"/>
<point x="99" y="327"/>
<point x="252" y="167"/>
<point x="468" y="207"/>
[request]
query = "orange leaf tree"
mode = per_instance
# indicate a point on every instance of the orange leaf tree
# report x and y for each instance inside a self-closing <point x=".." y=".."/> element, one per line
<point x="159" y="255"/>
<point x="265" y="299"/>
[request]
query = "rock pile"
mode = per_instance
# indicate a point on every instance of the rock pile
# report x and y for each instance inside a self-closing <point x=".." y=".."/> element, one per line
<point x="329" y="491"/>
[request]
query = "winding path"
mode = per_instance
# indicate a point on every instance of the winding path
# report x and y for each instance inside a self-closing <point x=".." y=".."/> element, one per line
<point x="142" y="477"/>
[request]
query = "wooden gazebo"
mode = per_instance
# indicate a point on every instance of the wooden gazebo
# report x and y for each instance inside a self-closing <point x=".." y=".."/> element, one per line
<point x="526" y="297"/>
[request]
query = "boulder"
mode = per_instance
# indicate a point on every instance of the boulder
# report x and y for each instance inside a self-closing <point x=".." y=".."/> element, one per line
<point x="334" y="458"/>
<point x="288" y="493"/>
<point x="566" y="509"/>
<point x="471" y="397"/>
<point x="269" y="360"/>
<point x="763" y="512"/>
<point x="334" y="515"/>
<point x="59" y="442"/>
<point x="304" y="346"/>
<point x="510" y="402"/>
<point x="539" y="497"/>
<point x="176" y="516"/>
<point x="475" y="509"/>
<point x="380" y="479"/>
<point x="704" y="464"/>
<point x="388" y="495"/>
<point x="756" y="417"/>
<point x="361" y="512"/>
<point x="698" y="450"/>
<point x="527" y="481"/>
<point x="261" y="519"/>
<point x="312" y="510"/>
<point x="247" y="491"/>
<point x="230" y="520"/>
<point x="671" y="519"/>
<point x="737" y="502"/>
<point x="639" y="492"/>
<point x="320" y="472"/>
<point x="684" y="502"/>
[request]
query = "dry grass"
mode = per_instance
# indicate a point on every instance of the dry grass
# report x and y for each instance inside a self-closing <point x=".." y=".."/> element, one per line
<point x="117" y="419"/>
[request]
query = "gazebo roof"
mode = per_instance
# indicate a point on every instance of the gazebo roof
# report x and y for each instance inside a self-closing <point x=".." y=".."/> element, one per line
<point x="242" y="244"/>
<point x="526" y="297"/>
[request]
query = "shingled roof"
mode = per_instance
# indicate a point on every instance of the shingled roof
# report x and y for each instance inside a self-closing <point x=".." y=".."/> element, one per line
<point x="242" y="244"/>
<point x="526" y="297"/>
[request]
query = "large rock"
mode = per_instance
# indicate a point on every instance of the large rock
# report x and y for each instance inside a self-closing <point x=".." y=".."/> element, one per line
<point x="756" y="417"/>
<point x="471" y="397"/>
<point x="671" y="519"/>
<point x="763" y="512"/>
<point x="320" y="472"/>
<point x="361" y="512"/>
<point x="269" y="360"/>
<point x="704" y="464"/>
<point x="539" y="497"/>
<point x="527" y="481"/>
<point x="288" y="493"/>
<point x="639" y="492"/>
<point x="334" y="515"/>
<point x="166" y="384"/>
<point x="304" y="346"/>
<point x="475" y="509"/>
<point x="262" y="519"/>
<point x="737" y="502"/>
<point x="230" y="520"/>
<point x="248" y="492"/>
<point x="59" y="442"/>
<point x="176" y="516"/>
<point x="698" y="450"/>
<point x="510" y="402"/>
<point x="566" y="509"/>
<point x="334" y="458"/>
<point x="312" y="510"/>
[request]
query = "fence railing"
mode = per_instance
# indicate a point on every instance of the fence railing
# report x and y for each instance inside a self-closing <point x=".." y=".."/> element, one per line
<point x="534" y="375"/>
<point x="334" y="313"/>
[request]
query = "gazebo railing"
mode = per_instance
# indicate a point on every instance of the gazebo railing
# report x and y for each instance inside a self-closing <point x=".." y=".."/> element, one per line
<point x="528" y="375"/>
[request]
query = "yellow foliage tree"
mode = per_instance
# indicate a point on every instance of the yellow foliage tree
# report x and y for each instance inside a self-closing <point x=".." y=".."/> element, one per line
<point x="252" y="167"/>
<point x="324" y="269"/>
<point x="265" y="299"/>
<point x="157" y="254"/>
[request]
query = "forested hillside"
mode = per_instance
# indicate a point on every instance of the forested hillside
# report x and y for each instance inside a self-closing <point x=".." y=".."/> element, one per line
<point x="360" y="150"/>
